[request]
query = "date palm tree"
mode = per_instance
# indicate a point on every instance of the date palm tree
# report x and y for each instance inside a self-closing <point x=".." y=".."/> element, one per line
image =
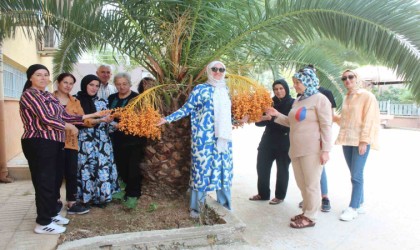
<point x="175" y="39"/>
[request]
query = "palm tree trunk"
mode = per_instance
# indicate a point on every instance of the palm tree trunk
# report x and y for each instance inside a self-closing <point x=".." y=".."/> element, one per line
<point x="166" y="169"/>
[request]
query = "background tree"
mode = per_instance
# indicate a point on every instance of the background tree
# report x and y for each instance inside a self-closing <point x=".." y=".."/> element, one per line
<point x="393" y="94"/>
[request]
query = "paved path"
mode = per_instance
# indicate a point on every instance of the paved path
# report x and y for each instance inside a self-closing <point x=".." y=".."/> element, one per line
<point x="392" y="186"/>
<point x="392" y="189"/>
<point x="17" y="219"/>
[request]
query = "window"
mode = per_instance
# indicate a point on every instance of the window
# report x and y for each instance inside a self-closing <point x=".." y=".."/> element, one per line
<point x="48" y="42"/>
<point x="13" y="80"/>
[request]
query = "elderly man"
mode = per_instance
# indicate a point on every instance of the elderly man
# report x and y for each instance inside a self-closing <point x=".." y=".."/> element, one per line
<point x="106" y="89"/>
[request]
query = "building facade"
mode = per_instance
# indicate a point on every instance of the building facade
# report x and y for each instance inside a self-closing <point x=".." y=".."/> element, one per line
<point x="16" y="55"/>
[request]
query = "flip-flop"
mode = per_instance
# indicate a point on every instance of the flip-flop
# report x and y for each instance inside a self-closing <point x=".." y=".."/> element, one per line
<point x="275" y="201"/>
<point x="298" y="224"/>
<point x="257" y="197"/>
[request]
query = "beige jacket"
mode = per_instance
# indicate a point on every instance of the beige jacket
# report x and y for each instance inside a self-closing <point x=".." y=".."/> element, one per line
<point x="310" y="122"/>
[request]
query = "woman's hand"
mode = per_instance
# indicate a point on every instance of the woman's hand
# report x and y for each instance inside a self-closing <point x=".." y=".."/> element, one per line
<point x="243" y="120"/>
<point x="362" y="148"/>
<point x="265" y="118"/>
<point x="103" y="113"/>
<point x="73" y="130"/>
<point x="272" y="112"/>
<point x="117" y="114"/>
<point x="161" y="122"/>
<point x="97" y="114"/>
<point x="107" y="119"/>
<point x="336" y="118"/>
<point x="325" y="156"/>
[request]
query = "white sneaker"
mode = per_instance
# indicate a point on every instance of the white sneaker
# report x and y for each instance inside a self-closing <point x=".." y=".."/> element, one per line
<point x="60" y="220"/>
<point x="349" y="214"/>
<point x="361" y="209"/>
<point x="51" y="228"/>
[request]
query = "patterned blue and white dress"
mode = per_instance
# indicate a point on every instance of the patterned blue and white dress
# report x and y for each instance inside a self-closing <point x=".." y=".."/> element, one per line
<point x="210" y="169"/>
<point x="97" y="172"/>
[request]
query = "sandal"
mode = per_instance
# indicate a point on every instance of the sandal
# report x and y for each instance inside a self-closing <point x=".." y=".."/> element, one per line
<point x="297" y="217"/>
<point x="275" y="201"/>
<point x="299" y="224"/>
<point x="257" y="197"/>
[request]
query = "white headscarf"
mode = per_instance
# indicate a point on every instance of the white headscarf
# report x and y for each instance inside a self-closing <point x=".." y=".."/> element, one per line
<point x="222" y="109"/>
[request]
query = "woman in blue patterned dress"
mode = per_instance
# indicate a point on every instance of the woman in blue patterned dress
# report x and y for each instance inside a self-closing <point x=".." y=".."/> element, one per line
<point x="97" y="172"/>
<point x="209" y="106"/>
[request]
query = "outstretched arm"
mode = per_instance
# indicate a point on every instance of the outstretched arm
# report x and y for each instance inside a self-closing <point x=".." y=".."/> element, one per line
<point x="193" y="101"/>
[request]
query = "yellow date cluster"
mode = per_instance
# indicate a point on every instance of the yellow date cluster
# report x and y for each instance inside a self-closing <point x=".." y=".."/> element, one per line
<point x="251" y="104"/>
<point x="140" y="122"/>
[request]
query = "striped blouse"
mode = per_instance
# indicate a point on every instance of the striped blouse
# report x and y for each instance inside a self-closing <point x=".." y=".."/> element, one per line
<point x="43" y="116"/>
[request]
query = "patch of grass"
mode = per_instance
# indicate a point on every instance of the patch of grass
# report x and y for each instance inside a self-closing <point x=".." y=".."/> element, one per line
<point x="152" y="207"/>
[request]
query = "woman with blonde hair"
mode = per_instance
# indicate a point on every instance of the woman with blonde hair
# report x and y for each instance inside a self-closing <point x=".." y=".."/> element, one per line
<point x="359" y="126"/>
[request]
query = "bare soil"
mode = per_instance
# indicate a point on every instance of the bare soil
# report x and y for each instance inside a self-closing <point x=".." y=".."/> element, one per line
<point x="152" y="213"/>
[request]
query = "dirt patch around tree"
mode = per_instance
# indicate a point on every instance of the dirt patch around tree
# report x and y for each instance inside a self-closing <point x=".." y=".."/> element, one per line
<point x="152" y="213"/>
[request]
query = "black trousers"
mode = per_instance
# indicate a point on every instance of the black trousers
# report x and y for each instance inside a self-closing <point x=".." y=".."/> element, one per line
<point x="45" y="157"/>
<point x="265" y="160"/>
<point x="127" y="159"/>
<point x="67" y="171"/>
<point x="69" y="174"/>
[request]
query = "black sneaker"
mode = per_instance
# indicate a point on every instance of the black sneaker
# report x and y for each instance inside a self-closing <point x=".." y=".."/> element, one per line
<point x="326" y="207"/>
<point x="99" y="205"/>
<point x="77" y="208"/>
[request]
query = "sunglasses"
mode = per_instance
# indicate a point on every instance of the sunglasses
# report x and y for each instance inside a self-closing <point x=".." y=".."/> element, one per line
<point x="221" y="70"/>
<point x="344" y="78"/>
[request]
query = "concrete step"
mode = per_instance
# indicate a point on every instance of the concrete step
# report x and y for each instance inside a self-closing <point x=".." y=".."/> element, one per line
<point x="18" y="168"/>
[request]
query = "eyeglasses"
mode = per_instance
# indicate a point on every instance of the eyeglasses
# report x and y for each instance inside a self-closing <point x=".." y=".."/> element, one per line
<point x="221" y="70"/>
<point x="344" y="78"/>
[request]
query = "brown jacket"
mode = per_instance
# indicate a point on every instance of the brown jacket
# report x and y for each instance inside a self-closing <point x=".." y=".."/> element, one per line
<point x="73" y="107"/>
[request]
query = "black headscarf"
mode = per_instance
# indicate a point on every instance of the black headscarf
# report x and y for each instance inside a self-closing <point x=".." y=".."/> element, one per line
<point x="284" y="104"/>
<point x="31" y="70"/>
<point x="86" y="100"/>
<point x="276" y="136"/>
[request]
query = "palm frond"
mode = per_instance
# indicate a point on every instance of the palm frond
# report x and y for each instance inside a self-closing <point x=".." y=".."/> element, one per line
<point x="226" y="30"/>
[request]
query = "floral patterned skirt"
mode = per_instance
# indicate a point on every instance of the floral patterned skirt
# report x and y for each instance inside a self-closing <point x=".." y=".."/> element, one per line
<point x="97" y="172"/>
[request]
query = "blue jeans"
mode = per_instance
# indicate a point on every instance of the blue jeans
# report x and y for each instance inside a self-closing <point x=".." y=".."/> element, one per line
<point x="198" y="199"/>
<point x="356" y="164"/>
<point x="324" y="184"/>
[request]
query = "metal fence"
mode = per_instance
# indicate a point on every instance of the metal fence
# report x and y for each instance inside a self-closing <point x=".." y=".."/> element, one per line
<point x="399" y="109"/>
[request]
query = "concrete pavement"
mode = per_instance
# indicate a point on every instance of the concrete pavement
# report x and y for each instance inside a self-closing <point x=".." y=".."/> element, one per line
<point x="17" y="218"/>
<point x="391" y="191"/>
<point x="391" y="199"/>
